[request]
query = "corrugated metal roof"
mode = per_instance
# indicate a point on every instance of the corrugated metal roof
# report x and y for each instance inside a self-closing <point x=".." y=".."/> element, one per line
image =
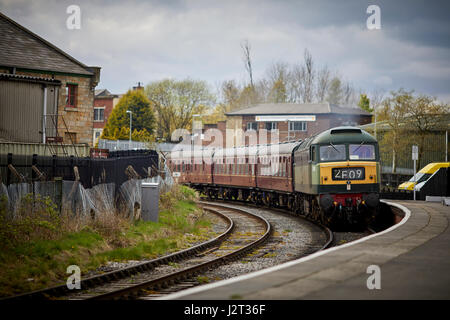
<point x="22" y="48"/>
<point x="297" y="108"/>
<point x="19" y="77"/>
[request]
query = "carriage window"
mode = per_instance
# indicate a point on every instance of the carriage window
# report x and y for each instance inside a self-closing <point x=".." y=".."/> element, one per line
<point x="332" y="152"/>
<point x="362" y="152"/>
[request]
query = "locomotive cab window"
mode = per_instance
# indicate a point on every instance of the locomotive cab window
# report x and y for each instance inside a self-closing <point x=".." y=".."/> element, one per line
<point x="312" y="153"/>
<point x="333" y="152"/>
<point x="362" y="152"/>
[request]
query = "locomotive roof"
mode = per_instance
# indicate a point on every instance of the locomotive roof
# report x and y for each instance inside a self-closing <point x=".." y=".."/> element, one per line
<point x="343" y="135"/>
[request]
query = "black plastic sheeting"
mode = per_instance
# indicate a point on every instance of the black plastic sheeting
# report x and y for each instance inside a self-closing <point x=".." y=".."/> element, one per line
<point x="92" y="171"/>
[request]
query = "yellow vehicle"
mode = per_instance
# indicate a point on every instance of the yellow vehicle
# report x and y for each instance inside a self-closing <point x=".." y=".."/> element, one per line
<point x="424" y="174"/>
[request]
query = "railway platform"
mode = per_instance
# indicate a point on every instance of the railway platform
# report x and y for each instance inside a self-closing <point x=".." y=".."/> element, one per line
<point x="410" y="260"/>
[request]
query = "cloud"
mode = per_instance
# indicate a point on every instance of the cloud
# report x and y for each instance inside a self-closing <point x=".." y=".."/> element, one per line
<point x="383" y="81"/>
<point x="148" y="40"/>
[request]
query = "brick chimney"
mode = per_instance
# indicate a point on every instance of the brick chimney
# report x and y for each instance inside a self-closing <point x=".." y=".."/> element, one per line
<point x="138" y="87"/>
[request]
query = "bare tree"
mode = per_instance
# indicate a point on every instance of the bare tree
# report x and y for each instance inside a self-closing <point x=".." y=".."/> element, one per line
<point x="275" y="87"/>
<point x="376" y="99"/>
<point x="247" y="60"/>
<point x="323" y="83"/>
<point x="303" y="79"/>
<point x="309" y="76"/>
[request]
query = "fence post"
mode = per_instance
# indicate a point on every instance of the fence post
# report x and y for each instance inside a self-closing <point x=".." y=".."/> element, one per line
<point x="8" y="172"/>
<point x="54" y="166"/>
<point x="33" y="163"/>
<point x="58" y="193"/>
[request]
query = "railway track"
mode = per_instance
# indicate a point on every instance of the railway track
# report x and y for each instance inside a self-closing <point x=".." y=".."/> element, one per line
<point x="264" y="252"/>
<point x="245" y="232"/>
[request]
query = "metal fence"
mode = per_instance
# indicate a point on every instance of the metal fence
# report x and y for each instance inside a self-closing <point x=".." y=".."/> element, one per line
<point x="28" y="168"/>
<point x="43" y="149"/>
<point x="115" y="145"/>
<point x="73" y="199"/>
<point x="123" y="145"/>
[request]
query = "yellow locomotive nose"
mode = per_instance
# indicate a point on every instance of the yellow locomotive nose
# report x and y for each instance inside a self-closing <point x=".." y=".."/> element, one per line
<point x="340" y="173"/>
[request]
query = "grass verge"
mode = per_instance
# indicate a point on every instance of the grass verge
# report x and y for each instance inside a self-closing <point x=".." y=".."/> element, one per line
<point x="37" y="248"/>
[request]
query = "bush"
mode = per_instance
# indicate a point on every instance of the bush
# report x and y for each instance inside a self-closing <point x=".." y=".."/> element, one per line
<point x="36" y="218"/>
<point x="177" y="193"/>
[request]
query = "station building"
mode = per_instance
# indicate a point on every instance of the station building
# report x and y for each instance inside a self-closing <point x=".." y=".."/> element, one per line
<point x="46" y="96"/>
<point x="269" y="122"/>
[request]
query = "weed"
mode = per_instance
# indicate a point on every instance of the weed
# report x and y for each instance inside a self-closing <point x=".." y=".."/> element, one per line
<point x="203" y="279"/>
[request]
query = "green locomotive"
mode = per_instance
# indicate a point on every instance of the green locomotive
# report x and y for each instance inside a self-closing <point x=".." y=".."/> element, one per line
<point x="337" y="176"/>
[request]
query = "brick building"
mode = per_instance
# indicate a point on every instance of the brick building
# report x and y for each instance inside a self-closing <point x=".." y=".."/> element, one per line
<point x="290" y="121"/>
<point x="45" y="93"/>
<point x="104" y="103"/>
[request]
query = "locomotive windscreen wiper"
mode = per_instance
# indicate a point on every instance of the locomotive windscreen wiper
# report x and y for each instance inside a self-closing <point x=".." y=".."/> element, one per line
<point x="334" y="147"/>
<point x="359" y="146"/>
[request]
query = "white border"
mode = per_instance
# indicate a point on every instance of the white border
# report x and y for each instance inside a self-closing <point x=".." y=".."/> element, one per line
<point x="202" y="288"/>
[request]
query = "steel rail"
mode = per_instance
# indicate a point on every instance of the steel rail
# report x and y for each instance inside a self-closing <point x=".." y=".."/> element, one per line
<point x="170" y="279"/>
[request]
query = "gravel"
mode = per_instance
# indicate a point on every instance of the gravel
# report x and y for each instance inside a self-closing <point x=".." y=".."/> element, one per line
<point x="292" y="238"/>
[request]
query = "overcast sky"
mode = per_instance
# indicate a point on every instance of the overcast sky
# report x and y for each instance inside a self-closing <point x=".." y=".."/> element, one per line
<point x="150" y="40"/>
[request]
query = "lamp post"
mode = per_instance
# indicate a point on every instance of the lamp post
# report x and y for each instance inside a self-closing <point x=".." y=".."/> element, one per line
<point x="131" y="117"/>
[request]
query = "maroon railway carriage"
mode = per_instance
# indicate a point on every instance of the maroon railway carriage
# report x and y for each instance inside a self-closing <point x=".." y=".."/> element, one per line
<point x="262" y="173"/>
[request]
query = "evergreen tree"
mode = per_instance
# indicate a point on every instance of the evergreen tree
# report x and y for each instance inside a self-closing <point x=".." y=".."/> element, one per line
<point x="364" y="103"/>
<point x="143" y="118"/>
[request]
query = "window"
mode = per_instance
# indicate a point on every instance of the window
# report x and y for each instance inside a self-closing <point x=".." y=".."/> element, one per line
<point x="99" y="114"/>
<point x="252" y="126"/>
<point x="71" y="95"/>
<point x="271" y="126"/>
<point x="362" y="152"/>
<point x="297" y="126"/>
<point x="332" y="152"/>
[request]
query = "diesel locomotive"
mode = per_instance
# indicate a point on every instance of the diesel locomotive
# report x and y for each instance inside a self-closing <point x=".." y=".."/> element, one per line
<point x="332" y="177"/>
